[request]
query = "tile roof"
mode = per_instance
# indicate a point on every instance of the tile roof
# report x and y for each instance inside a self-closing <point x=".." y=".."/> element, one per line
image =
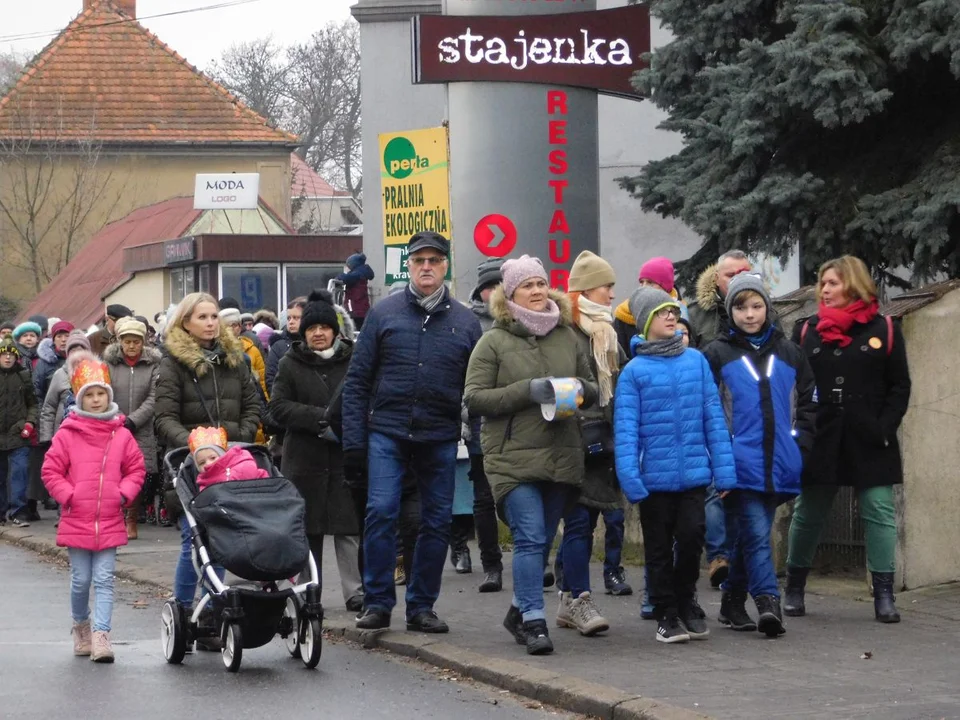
<point x="108" y="77"/>
<point x="305" y="181"/>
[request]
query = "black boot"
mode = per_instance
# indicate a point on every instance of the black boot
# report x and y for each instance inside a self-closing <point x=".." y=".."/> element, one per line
<point x="883" y="607"/>
<point x="538" y="639"/>
<point x="513" y="622"/>
<point x="770" y="622"/>
<point x="733" y="611"/>
<point x="793" y="605"/>
<point x="464" y="564"/>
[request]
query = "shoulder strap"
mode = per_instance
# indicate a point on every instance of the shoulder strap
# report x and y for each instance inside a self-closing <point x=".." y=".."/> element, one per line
<point x="203" y="402"/>
<point x="803" y="330"/>
<point x="889" y="334"/>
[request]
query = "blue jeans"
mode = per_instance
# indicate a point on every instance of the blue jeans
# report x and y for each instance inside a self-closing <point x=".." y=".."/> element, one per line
<point x="434" y="466"/>
<point x="576" y="548"/>
<point x="717" y="542"/>
<point x="613" y="522"/>
<point x="15" y="475"/>
<point x="533" y="512"/>
<point x="185" y="577"/>
<point x="88" y="567"/>
<point x="751" y="565"/>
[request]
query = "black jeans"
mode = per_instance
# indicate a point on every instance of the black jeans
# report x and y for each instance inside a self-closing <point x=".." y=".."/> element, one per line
<point x="673" y="525"/>
<point x="485" y="517"/>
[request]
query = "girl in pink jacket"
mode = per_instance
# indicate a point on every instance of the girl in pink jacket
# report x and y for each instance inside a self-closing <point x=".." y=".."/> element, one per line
<point x="94" y="469"/>
<point x="216" y="463"/>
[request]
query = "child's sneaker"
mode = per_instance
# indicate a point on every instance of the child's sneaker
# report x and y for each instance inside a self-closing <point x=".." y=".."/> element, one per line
<point x="538" y="638"/>
<point x="102" y="650"/>
<point x="669" y="630"/>
<point x="18" y="521"/>
<point x="81" y="638"/>
<point x="581" y="613"/>
<point x="733" y="611"/>
<point x="692" y="616"/>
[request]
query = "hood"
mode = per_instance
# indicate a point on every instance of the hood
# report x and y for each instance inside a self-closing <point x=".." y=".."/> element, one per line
<point x="185" y="350"/>
<point x="89" y="428"/>
<point x="113" y="355"/>
<point x="47" y="353"/>
<point x="707" y="288"/>
<point x="301" y="353"/>
<point x="500" y="312"/>
<point x="356" y="260"/>
<point x="623" y="314"/>
<point x="347" y="327"/>
<point x="235" y="464"/>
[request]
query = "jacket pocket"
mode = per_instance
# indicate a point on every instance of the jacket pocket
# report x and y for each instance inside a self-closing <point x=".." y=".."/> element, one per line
<point x="507" y="432"/>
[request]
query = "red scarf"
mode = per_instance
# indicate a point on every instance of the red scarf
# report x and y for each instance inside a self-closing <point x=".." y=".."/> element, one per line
<point x="835" y="323"/>
<point x="132" y="362"/>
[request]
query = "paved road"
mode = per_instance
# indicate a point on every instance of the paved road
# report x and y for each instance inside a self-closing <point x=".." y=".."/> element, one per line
<point x="41" y="680"/>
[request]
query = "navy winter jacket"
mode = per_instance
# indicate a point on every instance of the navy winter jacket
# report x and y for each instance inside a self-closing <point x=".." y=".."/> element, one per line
<point x="407" y="373"/>
<point x="669" y="431"/>
<point x="767" y="397"/>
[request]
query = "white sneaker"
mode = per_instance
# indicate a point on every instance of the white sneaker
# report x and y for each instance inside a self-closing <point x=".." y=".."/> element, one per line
<point x="582" y="614"/>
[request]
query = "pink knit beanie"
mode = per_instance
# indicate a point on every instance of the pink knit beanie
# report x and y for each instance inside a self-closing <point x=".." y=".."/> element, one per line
<point x="660" y="271"/>
<point x="515" y="272"/>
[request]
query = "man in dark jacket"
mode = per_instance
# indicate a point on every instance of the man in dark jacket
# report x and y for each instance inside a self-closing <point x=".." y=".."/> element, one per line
<point x="401" y="416"/>
<point x="18" y="417"/>
<point x="105" y="335"/>
<point x="357" y="274"/>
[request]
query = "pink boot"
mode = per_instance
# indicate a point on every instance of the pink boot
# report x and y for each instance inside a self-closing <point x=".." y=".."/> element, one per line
<point x="102" y="651"/>
<point x="81" y="638"/>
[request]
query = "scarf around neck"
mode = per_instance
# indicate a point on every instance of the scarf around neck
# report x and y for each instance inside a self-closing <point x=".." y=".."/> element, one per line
<point x="428" y="302"/>
<point x="834" y="323"/>
<point x="330" y="351"/>
<point x="596" y="321"/>
<point x="670" y="347"/>
<point x="539" y="324"/>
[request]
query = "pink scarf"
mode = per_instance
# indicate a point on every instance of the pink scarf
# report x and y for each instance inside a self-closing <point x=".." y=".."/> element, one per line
<point x="539" y="324"/>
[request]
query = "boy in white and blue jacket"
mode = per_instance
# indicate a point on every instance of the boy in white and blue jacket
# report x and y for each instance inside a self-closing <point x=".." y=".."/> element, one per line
<point x="671" y="440"/>
<point x="766" y="388"/>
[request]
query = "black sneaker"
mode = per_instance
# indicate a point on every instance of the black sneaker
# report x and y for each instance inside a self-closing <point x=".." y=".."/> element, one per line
<point x="770" y="622"/>
<point x="670" y="630"/>
<point x="513" y="622"/>
<point x="538" y="639"/>
<point x="427" y="622"/>
<point x="616" y="583"/>
<point x="355" y="604"/>
<point x="18" y="521"/>
<point x="373" y="619"/>
<point x="692" y="618"/>
<point x="548" y="578"/>
<point x="733" y="611"/>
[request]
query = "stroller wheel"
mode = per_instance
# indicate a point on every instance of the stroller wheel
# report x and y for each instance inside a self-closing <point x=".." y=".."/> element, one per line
<point x="290" y="624"/>
<point x="173" y="632"/>
<point x="232" y="652"/>
<point x="310" y="645"/>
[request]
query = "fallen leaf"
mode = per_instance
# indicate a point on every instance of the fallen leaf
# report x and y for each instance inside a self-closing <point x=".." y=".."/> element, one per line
<point x="866" y="655"/>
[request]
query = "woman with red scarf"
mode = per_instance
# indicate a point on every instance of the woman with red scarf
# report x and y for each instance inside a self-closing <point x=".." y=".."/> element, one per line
<point x="863" y="388"/>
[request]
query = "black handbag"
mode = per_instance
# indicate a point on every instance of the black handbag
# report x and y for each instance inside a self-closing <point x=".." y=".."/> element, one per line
<point x="597" y="437"/>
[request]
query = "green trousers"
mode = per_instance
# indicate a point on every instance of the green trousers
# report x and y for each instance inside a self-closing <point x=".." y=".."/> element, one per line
<point x="810" y="513"/>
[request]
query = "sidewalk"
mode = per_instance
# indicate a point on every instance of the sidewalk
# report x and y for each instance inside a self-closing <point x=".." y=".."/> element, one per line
<point x="816" y="670"/>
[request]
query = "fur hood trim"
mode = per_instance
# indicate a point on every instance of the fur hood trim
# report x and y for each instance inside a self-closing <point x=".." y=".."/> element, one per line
<point x="185" y="350"/>
<point x="347" y="327"/>
<point x="47" y="353"/>
<point x="707" y="288"/>
<point x="113" y="355"/>
<point x="500" y="312"/>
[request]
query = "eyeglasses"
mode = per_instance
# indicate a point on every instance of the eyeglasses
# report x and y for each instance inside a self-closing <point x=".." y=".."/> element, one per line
<point x="665" y="312"/>
<point x="433" y="260"/>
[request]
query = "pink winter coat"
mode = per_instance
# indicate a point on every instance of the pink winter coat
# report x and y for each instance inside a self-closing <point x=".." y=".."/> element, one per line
<point x="235" y="464"/>
<point x="93" y="469"/>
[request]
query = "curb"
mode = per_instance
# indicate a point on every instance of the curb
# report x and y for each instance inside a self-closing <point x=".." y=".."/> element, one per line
<point x="551" y="688"/>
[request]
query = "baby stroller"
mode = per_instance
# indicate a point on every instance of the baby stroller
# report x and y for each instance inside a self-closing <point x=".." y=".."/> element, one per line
<point x="255" y="529"/>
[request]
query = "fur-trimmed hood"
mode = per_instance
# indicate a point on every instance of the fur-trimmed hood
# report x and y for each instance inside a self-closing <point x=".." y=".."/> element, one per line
<point x="348" y="328"/>
<point x="185" y="350"/>
<point x="47" y="353"/>
<point x="113" y="355"/>
<point x="503" y="318"/>
<point x="706" y="296"/>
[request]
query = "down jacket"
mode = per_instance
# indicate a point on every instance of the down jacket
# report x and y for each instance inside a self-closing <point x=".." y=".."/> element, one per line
<point x="236" y="464"/>
<point x="406" y="377"/>
<point x="18" y="406"/>
<point x="93" y="469"/>
<point x="54" y="405"/>
<point x="134" y="392"/>
<point x="49" y="361"/>
<point x="193" y="390"/>
<point x="519" y="446"/>
<point x="670" y="432"/>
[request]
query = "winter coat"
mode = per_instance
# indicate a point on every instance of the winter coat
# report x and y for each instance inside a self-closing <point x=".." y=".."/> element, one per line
<point x="94" y="469"/>
<point x="100" y="340"/>
<point x="134" y="392"/>
<point x="767" y="398"/>
<point x="625" y="326"/>
<point x="480" y="309"/>
<point x="48" y="362"/>
<point x="304" y="388"/>
<point x="225" y="385"/>
<point x="356" y="297"/>
<point x="708" y="315"/>
<point x="406" y="377"/>
<point x="278" y="348"/>
<point x="670" y="432"/>
<point x="236" y="464"/>
<point x="18" y="406"/>
<point x="862" y="395"/>
<point x="54" y="406"/>
<point x="519" y="446"/>
<point x="257" y="366"/>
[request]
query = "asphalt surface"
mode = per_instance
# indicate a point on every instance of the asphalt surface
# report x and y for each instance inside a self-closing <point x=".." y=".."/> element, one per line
<point x="42" y="680"/>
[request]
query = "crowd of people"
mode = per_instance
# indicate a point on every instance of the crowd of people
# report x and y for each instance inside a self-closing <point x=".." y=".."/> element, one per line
<point x="569" y="406"/>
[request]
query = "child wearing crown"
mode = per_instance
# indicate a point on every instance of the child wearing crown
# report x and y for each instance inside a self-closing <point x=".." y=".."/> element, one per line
<point x="216" y="463"/>
<point x="94" y="469"/>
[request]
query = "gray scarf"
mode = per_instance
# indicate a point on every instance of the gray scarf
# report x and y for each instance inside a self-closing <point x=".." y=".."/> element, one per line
<point x="428" y="302"/>
<point x="661" y="348"/>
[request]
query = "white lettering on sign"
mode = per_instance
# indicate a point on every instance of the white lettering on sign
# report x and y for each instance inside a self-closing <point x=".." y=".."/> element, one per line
<point x="579" y="50"/>
<point x="227" y="191"/>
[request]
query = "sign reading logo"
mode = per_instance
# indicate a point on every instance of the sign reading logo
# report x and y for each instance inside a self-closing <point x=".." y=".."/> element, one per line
<point x="228" y="191"/>
<point x="495" y="235"/>
<point x="598" y="50"/>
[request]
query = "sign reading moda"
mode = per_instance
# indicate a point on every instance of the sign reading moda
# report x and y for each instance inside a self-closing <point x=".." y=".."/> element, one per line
<point x="598" y="50"/>
<point x="414" y="174"/>
<point x="227" y="191"/>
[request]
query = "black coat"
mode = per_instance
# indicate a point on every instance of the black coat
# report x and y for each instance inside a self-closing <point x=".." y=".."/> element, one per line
<point x="304" y="386"/>
<point x="862" y="392"/>
<point x="18" y="406"/>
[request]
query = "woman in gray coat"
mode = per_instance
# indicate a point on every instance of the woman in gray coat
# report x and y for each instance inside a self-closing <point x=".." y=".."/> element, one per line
<point x="58" y="392"/>
<point x="134" y="368"/>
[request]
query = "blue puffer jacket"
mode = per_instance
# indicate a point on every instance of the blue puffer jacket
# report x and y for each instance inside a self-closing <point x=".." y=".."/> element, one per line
<point x="669" y="428"/>
<point x="407" y="373"/>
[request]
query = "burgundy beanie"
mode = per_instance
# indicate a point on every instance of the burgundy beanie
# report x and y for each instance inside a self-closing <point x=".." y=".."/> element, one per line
<point x="660" y="271"/>
<point x="515" y="272"/>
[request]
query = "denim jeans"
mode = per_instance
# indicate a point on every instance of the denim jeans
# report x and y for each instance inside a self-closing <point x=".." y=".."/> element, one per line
<point x="185" y="577"/>
<point x="717" y="543"/>
<point x="88" y="567"/>
<point x="14" y="478"/>
<point x="613" y="522"/>
<point x="434" y="466"/>
<point x="533" y="512"/>
<point x="751" y="565"/>
<point x="576" y="548"/>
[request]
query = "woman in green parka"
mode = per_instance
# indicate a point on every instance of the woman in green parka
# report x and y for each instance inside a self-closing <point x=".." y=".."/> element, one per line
<point x="535" y="467"/>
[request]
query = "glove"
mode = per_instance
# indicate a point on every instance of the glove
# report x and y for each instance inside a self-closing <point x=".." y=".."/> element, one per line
<point x="128" y="424"/>
<point x="27" y="431"/>
<point x="355" y="468"/>
<point x="541" y="391"/>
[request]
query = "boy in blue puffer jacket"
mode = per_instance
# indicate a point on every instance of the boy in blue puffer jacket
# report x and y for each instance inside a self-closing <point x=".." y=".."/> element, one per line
<point x="767" y="387"/>
<point x="671" y="441"/>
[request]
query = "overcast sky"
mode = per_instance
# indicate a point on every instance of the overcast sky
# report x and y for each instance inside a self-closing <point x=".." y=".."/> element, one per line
<point x="198" y="36"/>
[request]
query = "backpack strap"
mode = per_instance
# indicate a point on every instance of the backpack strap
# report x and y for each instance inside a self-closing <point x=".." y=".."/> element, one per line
<point x="803" y="330"/>
<point x="889" y="334"/>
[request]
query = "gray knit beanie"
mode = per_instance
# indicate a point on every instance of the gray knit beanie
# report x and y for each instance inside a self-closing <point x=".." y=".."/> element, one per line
<point x="741" y="283"/>
<point x="644" y="302"/>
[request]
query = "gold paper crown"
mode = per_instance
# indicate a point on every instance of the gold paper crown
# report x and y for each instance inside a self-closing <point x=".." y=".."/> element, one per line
<point x="204" y="436"/>
<point x="89" y="372"/>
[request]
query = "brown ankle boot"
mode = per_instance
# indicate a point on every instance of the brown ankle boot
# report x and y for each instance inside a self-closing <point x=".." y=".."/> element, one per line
<point x="131" y="527"/>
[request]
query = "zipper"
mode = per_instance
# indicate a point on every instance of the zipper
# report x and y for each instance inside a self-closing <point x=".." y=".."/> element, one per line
<point x="103" y="466"/>
<point x="507" y="433"/>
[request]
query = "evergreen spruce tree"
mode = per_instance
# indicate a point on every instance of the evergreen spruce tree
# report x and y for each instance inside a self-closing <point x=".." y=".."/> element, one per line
<point x="835" y="124"/>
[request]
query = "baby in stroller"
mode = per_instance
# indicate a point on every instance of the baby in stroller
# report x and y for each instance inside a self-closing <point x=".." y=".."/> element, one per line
<point x="216" y="462"/>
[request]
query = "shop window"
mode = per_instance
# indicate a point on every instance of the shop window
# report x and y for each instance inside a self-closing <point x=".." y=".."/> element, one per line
<point x="182" y="283"/>
<point x="254" y="286"/>
<point x="204" y="279"/>
<point x="302" y="279"/>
